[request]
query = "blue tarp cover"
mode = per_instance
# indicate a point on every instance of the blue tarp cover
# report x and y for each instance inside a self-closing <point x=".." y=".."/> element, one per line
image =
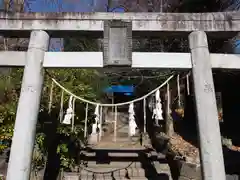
<point x="119" y="88"/>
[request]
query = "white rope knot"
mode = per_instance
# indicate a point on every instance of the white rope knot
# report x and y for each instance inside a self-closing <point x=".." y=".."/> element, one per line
<point x="96" y="113"/>
<point x="69" y="114"/>
<point x="96" y="125"/>
<point x="132" y="123"/>
<point x="157" y="111"/>
<point x="97" y="117"/>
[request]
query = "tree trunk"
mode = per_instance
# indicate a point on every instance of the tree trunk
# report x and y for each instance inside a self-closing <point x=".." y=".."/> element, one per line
<point x="168" y="117"/>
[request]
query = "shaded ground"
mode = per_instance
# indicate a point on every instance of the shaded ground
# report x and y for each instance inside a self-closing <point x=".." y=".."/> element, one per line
<point x="3" y="163"/>
<point x="187" y="130"/>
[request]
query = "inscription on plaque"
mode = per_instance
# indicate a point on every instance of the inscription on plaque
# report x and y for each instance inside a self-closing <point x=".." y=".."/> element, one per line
<point x="118" y="44"/>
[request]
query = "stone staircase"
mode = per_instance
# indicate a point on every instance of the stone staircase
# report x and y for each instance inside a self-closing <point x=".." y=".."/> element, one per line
<point x="122" y="138"/>
<point x="120" y="164"/>
<point x="124" y="159"/>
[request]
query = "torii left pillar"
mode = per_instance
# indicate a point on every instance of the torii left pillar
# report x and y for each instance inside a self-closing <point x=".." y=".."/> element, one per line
<point x="19" y="167"/>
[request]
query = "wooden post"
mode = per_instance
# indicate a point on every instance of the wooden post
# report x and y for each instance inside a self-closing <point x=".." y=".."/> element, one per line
<point x="19" y="167"/>
<point x="208" y="125"/>
<point x="86" y="122"/>
<point x="112" y="102"/>
<point x="169" y="120"/>
<point x="115" y="124"/>
<point x="101" y="122"/>
<point x="144" y="117"/>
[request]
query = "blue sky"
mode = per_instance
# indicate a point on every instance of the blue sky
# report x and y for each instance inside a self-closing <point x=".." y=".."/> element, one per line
<point x="64" y="6"/>
<point x="67" y="6"/>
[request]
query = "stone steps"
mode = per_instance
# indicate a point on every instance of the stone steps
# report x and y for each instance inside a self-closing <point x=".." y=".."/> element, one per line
<point x="133" y="173"/>
<point x="118" y="173"/>
<point x="140" y="163"/>
<point x="101" y="177"/>
<point x="136" y="167"/>
<point x="108" y="156"/>
<point x="134" y="153"/>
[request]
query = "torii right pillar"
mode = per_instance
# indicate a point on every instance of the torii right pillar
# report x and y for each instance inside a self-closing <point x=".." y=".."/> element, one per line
<point x="212" y="162"/>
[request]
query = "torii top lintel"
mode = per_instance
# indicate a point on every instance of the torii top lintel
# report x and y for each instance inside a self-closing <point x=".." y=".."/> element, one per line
<point x="142" y="23"/>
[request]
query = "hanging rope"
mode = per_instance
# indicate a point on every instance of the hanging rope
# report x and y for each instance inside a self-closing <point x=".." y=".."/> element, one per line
<point x="157" y="111"/>
<point x="98" y="113"/>
<point x="86" y="119"/>
<point x="96" y="125"/>
<point x="111" y="105"/>
<point x="132" y="123"/>
<point x="69" y="114"/>
<point x="61" y="107"/>
<point x="97" y="118"/>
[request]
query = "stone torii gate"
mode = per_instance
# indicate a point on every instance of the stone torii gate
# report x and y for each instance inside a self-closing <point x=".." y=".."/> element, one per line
<point x="40" y="26"/>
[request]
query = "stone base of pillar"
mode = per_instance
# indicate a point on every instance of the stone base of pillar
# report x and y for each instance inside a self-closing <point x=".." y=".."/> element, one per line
<point x="190" y="171"/>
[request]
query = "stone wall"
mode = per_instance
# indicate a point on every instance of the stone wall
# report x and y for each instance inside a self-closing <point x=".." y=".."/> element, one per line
<point x="190" y="171"/>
